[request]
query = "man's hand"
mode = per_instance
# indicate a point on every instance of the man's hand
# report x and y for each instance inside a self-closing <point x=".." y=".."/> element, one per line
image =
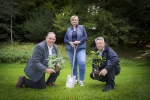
<point x="49" y="71"/>
<point x="103" y="72"/>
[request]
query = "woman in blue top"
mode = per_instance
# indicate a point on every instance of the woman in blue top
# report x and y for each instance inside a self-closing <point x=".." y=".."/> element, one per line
<point x="76" y="35"/>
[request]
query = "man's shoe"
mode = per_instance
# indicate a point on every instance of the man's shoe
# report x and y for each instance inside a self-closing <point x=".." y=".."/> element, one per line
<point x="50" y="84"/>
<point x="20" y="82"/>
<point x="107" y="88"/>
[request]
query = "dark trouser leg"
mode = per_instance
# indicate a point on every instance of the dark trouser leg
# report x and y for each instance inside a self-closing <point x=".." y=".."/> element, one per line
<point x="53" y="77"/>
<point x="31" y="84"/>
<point x="109" y="78"/>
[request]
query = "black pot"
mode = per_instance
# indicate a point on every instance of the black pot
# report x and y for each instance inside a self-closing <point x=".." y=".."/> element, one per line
<point x="97" y="77"/>
<point x="56" y="74"/>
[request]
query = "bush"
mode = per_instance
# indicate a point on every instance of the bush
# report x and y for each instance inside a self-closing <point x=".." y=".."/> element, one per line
<point x="21" y="52"/>
<point x="39" y="24"/>
<point x="15" y="53"/>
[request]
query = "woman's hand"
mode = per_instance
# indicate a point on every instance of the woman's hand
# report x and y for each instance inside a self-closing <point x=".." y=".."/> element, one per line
<point x="72" y="44"/>
<point x="76" y="42"/>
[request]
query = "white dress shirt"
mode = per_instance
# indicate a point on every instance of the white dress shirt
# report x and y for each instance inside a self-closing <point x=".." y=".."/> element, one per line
<point x="50" y="49"/>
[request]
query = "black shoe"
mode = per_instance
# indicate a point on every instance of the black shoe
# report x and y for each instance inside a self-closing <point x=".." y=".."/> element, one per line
<point x="20" y="82"/>
<point x="107" y="88"/>
<point x="50" y="84"/>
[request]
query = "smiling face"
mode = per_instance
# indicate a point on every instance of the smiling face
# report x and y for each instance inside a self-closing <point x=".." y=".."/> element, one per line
<point x="100" y="44"/>
<point x="50" y="38"/>
<point x="74" y="20"/>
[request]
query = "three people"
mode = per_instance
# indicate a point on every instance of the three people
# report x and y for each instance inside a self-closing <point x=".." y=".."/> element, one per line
<point x="75" y="38"/>
<point x="109" y="68"/>
<point x="37" y="65"/>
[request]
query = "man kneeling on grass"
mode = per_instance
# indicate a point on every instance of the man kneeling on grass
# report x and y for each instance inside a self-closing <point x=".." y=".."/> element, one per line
<point x="108" y="68"/>
<point x="37" y="66"/>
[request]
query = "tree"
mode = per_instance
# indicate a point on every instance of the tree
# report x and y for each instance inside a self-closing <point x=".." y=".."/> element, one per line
<point x="141" y="21"/>
<point x="39" y="23"/>
<point x="5" y="18"/>
<point x="119" y="22"/>
<point x="97" y="19"/>
<point x="62" y="22"/>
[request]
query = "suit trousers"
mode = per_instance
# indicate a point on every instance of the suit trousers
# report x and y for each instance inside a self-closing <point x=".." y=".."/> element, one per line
<point x="41" y="82"/>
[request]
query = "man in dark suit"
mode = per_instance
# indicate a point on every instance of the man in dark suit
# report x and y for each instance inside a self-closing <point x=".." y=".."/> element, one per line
<point x="37" y="65"/>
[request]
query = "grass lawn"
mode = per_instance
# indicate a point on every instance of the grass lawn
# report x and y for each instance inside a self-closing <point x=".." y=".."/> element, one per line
<point x="133" y="83"/>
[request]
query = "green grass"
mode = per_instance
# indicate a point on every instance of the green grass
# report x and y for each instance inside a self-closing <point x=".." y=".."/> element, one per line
<point x="133" y="83"/>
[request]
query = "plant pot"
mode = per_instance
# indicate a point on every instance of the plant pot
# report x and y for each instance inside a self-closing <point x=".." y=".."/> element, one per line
<point x="96" y="74"/>
<point x="55" y="74"/>
<point x="56" y="69"/>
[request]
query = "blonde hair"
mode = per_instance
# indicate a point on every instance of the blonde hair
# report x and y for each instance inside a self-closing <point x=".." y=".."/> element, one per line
<point x="99" y="38"/>
<point x="74" y="16"/>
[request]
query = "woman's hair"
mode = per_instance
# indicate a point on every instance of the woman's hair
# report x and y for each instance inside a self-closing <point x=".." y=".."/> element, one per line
<point x="74" y="16"/>
<point x="99" y="38"/>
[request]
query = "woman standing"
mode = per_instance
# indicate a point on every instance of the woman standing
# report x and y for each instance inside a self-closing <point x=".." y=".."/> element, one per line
<point x="76" y="36"/>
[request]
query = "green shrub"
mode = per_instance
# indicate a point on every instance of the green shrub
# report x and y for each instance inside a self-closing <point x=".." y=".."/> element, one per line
<point x="15" y="53"/>
<point x="21" y="52"/>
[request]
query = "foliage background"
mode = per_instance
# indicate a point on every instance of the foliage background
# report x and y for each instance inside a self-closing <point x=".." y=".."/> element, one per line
<point x="119" y="22"/>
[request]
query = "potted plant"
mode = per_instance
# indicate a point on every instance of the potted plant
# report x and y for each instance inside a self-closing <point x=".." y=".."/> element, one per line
<point x="97" y="60"/>
<point x="55" y="62"/>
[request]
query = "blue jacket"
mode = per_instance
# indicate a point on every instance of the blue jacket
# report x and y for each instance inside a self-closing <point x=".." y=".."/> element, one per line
<point x="81" y="36"/>
<point x="112" y="59"/>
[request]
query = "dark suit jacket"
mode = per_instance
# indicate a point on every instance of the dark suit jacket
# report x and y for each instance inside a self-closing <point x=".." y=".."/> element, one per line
<point x="38" y="63"/>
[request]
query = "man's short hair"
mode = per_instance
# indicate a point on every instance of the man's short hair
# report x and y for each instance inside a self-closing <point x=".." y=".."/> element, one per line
<point x="51" y="33"/>
<point x="99" y="38"/>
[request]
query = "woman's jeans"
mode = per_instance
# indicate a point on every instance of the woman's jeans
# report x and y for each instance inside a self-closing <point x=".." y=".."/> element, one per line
<point x="80" y="60"/>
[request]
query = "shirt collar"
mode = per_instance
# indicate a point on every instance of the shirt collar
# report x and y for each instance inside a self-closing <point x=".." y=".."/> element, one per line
<point x="50" y="47"/>
<point x="102" y="51"/>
